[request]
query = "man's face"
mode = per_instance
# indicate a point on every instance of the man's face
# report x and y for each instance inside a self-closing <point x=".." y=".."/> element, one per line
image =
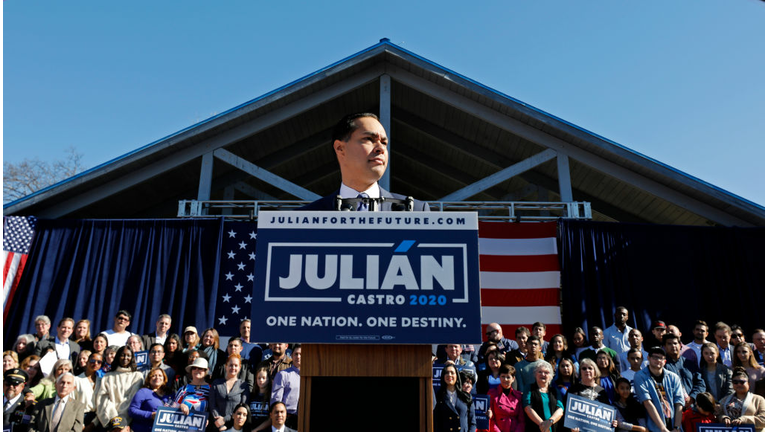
<point x="659" y="332"/>
<point x="234" y="347"/>
<point x="539" y="331"/>
<point x="656" y="361"/>
<point x="737" y="337"/>
<point x="42" y="327"/>
<point x="635" y="339"/>
<point x="12" y="390"/>
<point x="278" y="349"/>
<point x="364" y="157"/>
<point x="534" y="347"/>
<point x="493" y="333"/>
<point x="453" y="351"/>
<point x="121" y="323"/>
<point x="278" y="415"/>
<point x="64" y="330"/>
<point x="723" y="338"/>
<point x="296" y="356"/>
<point x="672" y="347"/>
<point x="674" y="330"/>
<point x="65" y="385"/>
<point x="635" y="360"/>
<point x="156" y="354"/>
<point x="134" y="343"/>
<point x="759" y="340"/>
<point x="521" y="338"/>
<point x="700" y="333"/>
<point x="245" y="331"/>
<point x="163" y="325"/>
<point x="620" y="317"/>
<point x="596" y="336"/>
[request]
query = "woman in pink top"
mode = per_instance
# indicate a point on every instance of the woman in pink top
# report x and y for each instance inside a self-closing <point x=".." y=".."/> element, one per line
<point x="507" y="403"/>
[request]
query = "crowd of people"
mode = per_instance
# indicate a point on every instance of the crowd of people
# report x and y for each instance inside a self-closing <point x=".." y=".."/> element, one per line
<point x="118" y="379"/>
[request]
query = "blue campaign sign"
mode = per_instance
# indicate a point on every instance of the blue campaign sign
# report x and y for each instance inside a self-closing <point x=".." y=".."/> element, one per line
<point x="142" y="359"/>
<point x="173" y="420"/>
<point x="588" y="415"/>
<point x="365" y="277"/>
<point x="719" y="427"/>
<point x="482" y="403"/>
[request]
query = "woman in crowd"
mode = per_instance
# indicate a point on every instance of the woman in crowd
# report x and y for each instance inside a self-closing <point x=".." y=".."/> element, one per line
<point x="24" y="346"/>
<point x="109" y="358"/>
<point x="631" y="413"/>
<point x="241" y="419"/>
<point x="82" y="335"/>
<point x="227" y="393"/>
<point x="744" y="357"/>
<point x="588" y="386"/>
<point x="209" y="344"/>
<point x="556" y="351"/>
<point x="117" y="388"/>
<point x="173" y="354"/>
<point x="189" y="358"/>
<point x="453" y="408"/>
<point x="194" y="396"/>
<point x="191" y="338"/>
<point x="488" y="378"/>
<point x="716" y="376"/>
<point x="10" y="360"/>
<point x="701" y="413"/>
<point x="47" y="386"/>
<point x="32" y="368"/>
<point x="99" y="344"/>
<point x="566" y="376"/>
<point x="507" y="403"/>
<point x="135" y="343"/>
<point x="260" y="397"/>
<point x="148" y="399"/>
<point x="580" y="342"/>
<point x="85" y="385"/>
<point x="82" y="362"/>
<point x="742" y="407"/>
<point x="608" y="374"/>
<point x="543" y="408"/>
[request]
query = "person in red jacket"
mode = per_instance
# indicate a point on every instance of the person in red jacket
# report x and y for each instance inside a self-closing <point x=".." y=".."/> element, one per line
<point x="704" y="412"/>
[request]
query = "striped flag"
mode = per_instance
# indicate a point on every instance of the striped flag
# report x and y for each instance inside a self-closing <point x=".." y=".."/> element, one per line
<point x="520" y="275"/>
<point x="18" y="232"/>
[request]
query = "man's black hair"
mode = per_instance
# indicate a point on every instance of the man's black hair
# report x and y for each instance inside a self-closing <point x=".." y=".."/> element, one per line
<point x="344" y="128"/>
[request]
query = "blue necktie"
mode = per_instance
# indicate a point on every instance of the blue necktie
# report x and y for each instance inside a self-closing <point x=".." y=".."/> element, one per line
<point x="362" y="206"/>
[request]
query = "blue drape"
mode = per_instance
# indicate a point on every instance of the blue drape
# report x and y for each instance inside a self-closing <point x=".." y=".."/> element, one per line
<point x="93" y="268"/>
<point x="674" y="273"/>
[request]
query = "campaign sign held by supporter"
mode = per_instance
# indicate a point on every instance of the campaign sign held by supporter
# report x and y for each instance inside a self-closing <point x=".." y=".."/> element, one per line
<point x="173" y="420"/>
<point x="588" y="415"/>
<point x="368" y="277"/>
<point x="481" y="404"/>
<point x="142" y="360"/>
<point x="719" y="427"/>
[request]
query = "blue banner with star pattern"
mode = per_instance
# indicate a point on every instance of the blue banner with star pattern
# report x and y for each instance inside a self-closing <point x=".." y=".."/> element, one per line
<point x="236" y="276"/>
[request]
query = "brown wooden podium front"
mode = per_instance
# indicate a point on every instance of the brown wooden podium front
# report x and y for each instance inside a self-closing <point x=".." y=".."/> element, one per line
<point x="366" y="387"/>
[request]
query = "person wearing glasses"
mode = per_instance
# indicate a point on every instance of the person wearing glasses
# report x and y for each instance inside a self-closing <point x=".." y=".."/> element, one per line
<point x="661" y="393"/>
<point x="156" y="355"/>
<point x="495" y="336"/>
<point x="118" y="335"/>
<point x="743" y="406"/>
<point x="13" y="399"/>
<point x="85" y="384"/>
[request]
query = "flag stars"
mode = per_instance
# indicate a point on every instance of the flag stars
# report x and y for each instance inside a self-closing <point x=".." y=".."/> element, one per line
<point x="229" y="275"/>
<point x="226" y="297"/>
<point x="238" y="287"/>
<point x="223" y="321"/>
<point x="231" y="255"/>
<point x="248" y="298"/>
<point x="252" y="256"/>
<point x="235" y="309"/>
<point x="250" y="277"/>
<point x="242" y="244"/>
<point x="241" y="266"/>
<point x="232" y="233"/>
<point x="253" y="235"/>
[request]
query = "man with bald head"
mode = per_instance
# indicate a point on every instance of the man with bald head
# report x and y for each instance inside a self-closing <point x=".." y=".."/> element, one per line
<point x="495" y="336"/>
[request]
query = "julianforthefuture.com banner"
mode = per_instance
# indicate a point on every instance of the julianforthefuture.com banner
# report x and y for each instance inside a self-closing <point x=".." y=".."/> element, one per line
<point x="368" y="277"/>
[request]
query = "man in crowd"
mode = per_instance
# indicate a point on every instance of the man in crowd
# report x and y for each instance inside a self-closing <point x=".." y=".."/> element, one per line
<point x="688" y="371"/>
<point x="596" y="339"/>
<point x="118" y="335"/>
<point x="42" y="326"/>
<point x="635" y="339"/>
<point x="286" y="388"/>
<point x="525" y="369"/>
<point x="235" y="347"/>
<point x="64" y="348"/>
<point x="162" y="327"/>
<point x="521" y="336"/>
<point x="60" y="413"/>
<point x="723" y="340"/>
<point x="156" y="356"/>
<point x="658" y="330"/>
<point x="637" y="360"/>
<point x="661" y="393"/>
<point x="278" y="415"/>
<point x="453" y="356"/>
<point x="672" y="329"/>
<point x="13" y="395"/>
<point x="700" y="333"/>
<point x="617" y="335"/>
<point x="540" y="329"/>
<point x="496" y="337"/>
<point x="250" y="351"/>
<point x="758" y="342"/>
<point x="278" y="361"/>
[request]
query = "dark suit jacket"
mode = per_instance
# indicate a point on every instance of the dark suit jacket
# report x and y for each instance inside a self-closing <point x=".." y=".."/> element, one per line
<point x="74" y="348"/>
<point x="328" y="202"/>
<point x="722" y="379"/>
<point x="71" y="419"/>
<point x="18" y="405"/>
<point x="447" y="417"/>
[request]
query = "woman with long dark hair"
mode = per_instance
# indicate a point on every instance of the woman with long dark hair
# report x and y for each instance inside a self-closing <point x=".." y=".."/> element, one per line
<point x="716" y="376"/>
<point x="557" y="349"/>
<point x="566" y="376"/>
<point x="117" y="388"/>
<point x="608" y="374"/>
<point x="743" y="406"/>
<point x="453" y="408"/>
<point x="745" y="357"/>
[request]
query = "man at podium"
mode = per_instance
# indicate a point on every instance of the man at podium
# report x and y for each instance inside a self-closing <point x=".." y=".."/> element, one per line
<point x="360" y="143"/>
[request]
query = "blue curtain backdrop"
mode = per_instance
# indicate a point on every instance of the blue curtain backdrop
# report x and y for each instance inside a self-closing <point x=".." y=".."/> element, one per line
<point x="674" y="273"/>
<point x="93" y="268"/>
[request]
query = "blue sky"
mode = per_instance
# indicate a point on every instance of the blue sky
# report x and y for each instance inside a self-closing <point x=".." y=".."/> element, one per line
<point x="680" y="81"/>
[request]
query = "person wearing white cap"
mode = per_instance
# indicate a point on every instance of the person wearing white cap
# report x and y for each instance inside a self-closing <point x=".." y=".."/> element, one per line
<point x="191" y="338"/>
<point x="194" y="396"/>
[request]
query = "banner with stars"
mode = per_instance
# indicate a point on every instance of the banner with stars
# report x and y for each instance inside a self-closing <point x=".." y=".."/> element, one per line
<point x="238" y="264"/>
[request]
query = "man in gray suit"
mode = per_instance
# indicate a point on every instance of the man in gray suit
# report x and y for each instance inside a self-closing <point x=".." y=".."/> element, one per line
<point x="278" y="414"/>
<point x="60" y="413"/>
<point x="65" y="348"/>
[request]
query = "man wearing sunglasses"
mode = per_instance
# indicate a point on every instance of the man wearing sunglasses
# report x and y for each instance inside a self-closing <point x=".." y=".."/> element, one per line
<point x="495" y="336"/>
<point x="13" y="400"/>
<point x="118" y="335"/>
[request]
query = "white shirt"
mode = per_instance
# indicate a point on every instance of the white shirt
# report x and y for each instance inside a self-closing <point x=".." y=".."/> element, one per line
<point x="62" y="348"/>
<point x="274" y="429"/>
<point x="372" y="192"/>
<point x="118" y="339"/>
<point x="160" y="340"/>
<point x="617" y="340"/>
<point x="7" y="403"/>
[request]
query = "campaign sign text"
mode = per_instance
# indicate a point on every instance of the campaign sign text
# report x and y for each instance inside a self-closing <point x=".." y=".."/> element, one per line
<point x="588" y="415"/>
<point x="173" y="420"/>
<point x="368" y="277"/>
<point x="481" y="404"/>
<point x="142" y="358"/>
<point x="720" y="427"/>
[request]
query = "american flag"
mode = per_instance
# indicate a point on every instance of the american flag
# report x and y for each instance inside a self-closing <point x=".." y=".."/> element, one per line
<point x="18" y="232"/>
<point x="520" y="275"/>
<point x="237" y="272"/>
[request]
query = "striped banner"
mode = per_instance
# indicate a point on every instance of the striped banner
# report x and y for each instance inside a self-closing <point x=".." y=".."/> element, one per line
<point x="520" y="275"/>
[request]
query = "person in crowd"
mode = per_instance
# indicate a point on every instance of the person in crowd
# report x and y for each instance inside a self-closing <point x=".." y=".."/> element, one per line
<point x="580" y="342"/>
<point x="65" y="348"/>
<point x="60" y="412"/>
<point x="636" y="362"/>
<point x="173" y="354"/>
<point x="540" y="329"/>
<point x="596" y="339"/>
<point x="688" y="371"/>
<point x="194" y="396"/>
<point x="24" y="346"/>
<point x="278" y="361"/>
<point x="588" y="386"/>
<point x="99" y="344"/>
<point x="489" y="378"/>
<point x="608" y="374"/>
<point x="617" y="335"/>
<point x="235" y="347"/>
<point x="737" y="335"/>
<point x="758" y="342"/>
<point x="116" y="389"/>
<point x="10" y="360"/>
<point x="82" y="362"/>
<point x="702" y="413"/>
<point x="191" y="339"/>
<point x="742" y="407"/>
<point x="13" y="397"/>
<point x="566" y="376"/>
<point x="631" y="414"/>
<point x="635" y="341"/>
<point x="723" y="340"/>
<point x="162" y="329"/>
<point x="526" y="373"/>
<point x="227" y="393"/>
<point x="144" y="404"/>
<point x="277" y="416"/>
<point x="716" y="376"/>
<point x="453" y="407"/>
<point x="745" y="358"/>
<point x="453" y="356"/>
<point x="700" y="333"/>
<point x="286" y="388"/>
<point x="672" y="329"/>
<point x="262" y="393"/>
<point x="32" y="368"/>
<point x="658" y="330"/>
<point x="42" y="327"/>
<point x="209" y="344"/>
<point x="661" y="393"/>
<point x="191" y="356"/>
<point x="495" y="336"/>
<point x="241" y="419"/>
<point x="156" y="354"/>
<point x="134" y="341"/>
<point x="109" y="359"/>
<point x="47" y="386"/>
<point x="82" y="335"/>
<point x="85" y="386"/>
<point x="543" y="408"/>
<point x="251" y="351"/>
<point x="507" y="410"/>
<point x="521" y="336"/>
<point x="557" y="349"/>
<point x="118" y="334"/>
